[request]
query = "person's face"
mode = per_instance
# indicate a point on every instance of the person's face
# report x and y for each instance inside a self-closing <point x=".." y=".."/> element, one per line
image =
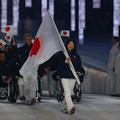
<point x="7" y="48"/>
<point x="70" y="46"/>
<point x="28" y="40"/>
<point x="2" y="57"/>
<point x="114" y="41"/>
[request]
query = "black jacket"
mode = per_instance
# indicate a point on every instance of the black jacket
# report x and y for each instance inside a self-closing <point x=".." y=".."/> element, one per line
<point x="23" y="52"/>
<point x="15" y="66"/>
<point x="64" y="71"/>
<point x="4" y="71"/>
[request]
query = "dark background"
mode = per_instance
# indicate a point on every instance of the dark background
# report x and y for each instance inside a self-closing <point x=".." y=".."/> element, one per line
<point x="99" y="22"/>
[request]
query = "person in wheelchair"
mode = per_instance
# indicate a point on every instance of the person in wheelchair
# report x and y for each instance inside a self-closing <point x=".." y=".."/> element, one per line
<point x="77" y="88"/>
<point x="5" y="73"/>
<point x="66" y="76"/>
<point x="9" y="72"/>
<point x="15" y="66"/>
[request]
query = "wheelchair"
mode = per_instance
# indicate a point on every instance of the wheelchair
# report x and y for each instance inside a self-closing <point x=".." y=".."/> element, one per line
<point x="9" y="90"/>
<point x="59" y="92"/>
<point x="38" y="92"/>
<point x="77" y="91"/>
<point x="75" y="98"/>
<point x="3" y="92"/>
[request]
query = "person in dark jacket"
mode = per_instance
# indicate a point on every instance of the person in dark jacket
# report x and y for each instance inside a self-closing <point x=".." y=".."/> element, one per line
<point x="5" y="72"/>
<point x="66" y="76"/>
<point x="24" y="50"/>
<point x="9" y="71"/>
<point x="23" y="53"/>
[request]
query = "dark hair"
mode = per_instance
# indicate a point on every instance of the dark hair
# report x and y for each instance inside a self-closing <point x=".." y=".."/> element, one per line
<point x="71" y="40"/>
<point x="27" y="35"/>
<point x="2" y="52"/>
<point x="115" y="38"/>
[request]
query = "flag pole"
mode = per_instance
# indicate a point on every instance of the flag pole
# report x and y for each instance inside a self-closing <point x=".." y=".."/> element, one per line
<point x="66" y="54"/>
<point x="13" y="35"/>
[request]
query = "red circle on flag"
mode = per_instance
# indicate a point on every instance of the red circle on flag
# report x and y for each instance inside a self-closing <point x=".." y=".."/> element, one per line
<point x="65" y="33"/>
<point x="8" y="37"/>
<point x="35" y="47"/>
<point x="1" y="44"/>
<point x="7" y="29"/>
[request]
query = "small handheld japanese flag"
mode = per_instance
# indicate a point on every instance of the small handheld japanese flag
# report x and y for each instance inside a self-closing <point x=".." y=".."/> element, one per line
<point x="7" y="29"/>
<point x="2" y="43"/>
<point x="8" y="37"/>
<point x="65" y="33"/>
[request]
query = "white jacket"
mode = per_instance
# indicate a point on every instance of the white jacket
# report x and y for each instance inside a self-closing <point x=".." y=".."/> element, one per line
<point x="112" y="55"/>
<point x="117" y="64"/>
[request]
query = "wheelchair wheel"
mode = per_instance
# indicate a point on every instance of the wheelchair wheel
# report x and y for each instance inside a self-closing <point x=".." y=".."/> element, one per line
<point x="59" y="93"/>
<point x="13" y="91"/>
<point x="39" y="99"/>
<point x="78" y="98"/>
<point x="77" y="92"/>
<point x="60" y="98"/>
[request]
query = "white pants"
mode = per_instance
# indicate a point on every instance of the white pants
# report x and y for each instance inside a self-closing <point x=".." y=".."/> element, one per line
<point x="118" y="85"/>
<point x="68" y="85"/>
<point x="30" y="87"/>
<point x="21" y="86"/>
<point x="111" y="83"/>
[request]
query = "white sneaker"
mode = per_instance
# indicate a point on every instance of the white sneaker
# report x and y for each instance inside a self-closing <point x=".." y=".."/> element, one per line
<point x="64" y="110"/>
<point x="30" y="102"/>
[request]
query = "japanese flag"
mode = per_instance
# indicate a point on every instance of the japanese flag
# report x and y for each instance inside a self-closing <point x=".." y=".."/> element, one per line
<point x="2" y="43"/>
<point x="8" y="37"/>
<point x="46" y="43"/>
<point x="7" y="29"/>
<point x="65" y="33"/>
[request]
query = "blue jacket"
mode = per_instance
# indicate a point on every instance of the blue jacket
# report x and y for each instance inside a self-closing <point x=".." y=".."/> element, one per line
<point x="4" y="71"/>
<point x="23" y="52"/>
<point x="65" y="71"/>
<point x="15" y="66"/>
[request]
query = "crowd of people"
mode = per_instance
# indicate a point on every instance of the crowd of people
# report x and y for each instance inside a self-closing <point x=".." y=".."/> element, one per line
<point x="12" y="59"/>
<point x="57" y="70"/>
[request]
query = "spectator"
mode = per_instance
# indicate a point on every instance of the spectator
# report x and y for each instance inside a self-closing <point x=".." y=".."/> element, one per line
<point x="117" y="72"/>
<point x="111" y="77"/>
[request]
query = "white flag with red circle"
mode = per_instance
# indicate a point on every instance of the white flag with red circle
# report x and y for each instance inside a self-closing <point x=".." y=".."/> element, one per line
<point x="7" y="29"/>
<point x="2" y="43"/>
<point x="8" y="37"/>
<point x="47" y="42"/>
<point x="65" y="33"/>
